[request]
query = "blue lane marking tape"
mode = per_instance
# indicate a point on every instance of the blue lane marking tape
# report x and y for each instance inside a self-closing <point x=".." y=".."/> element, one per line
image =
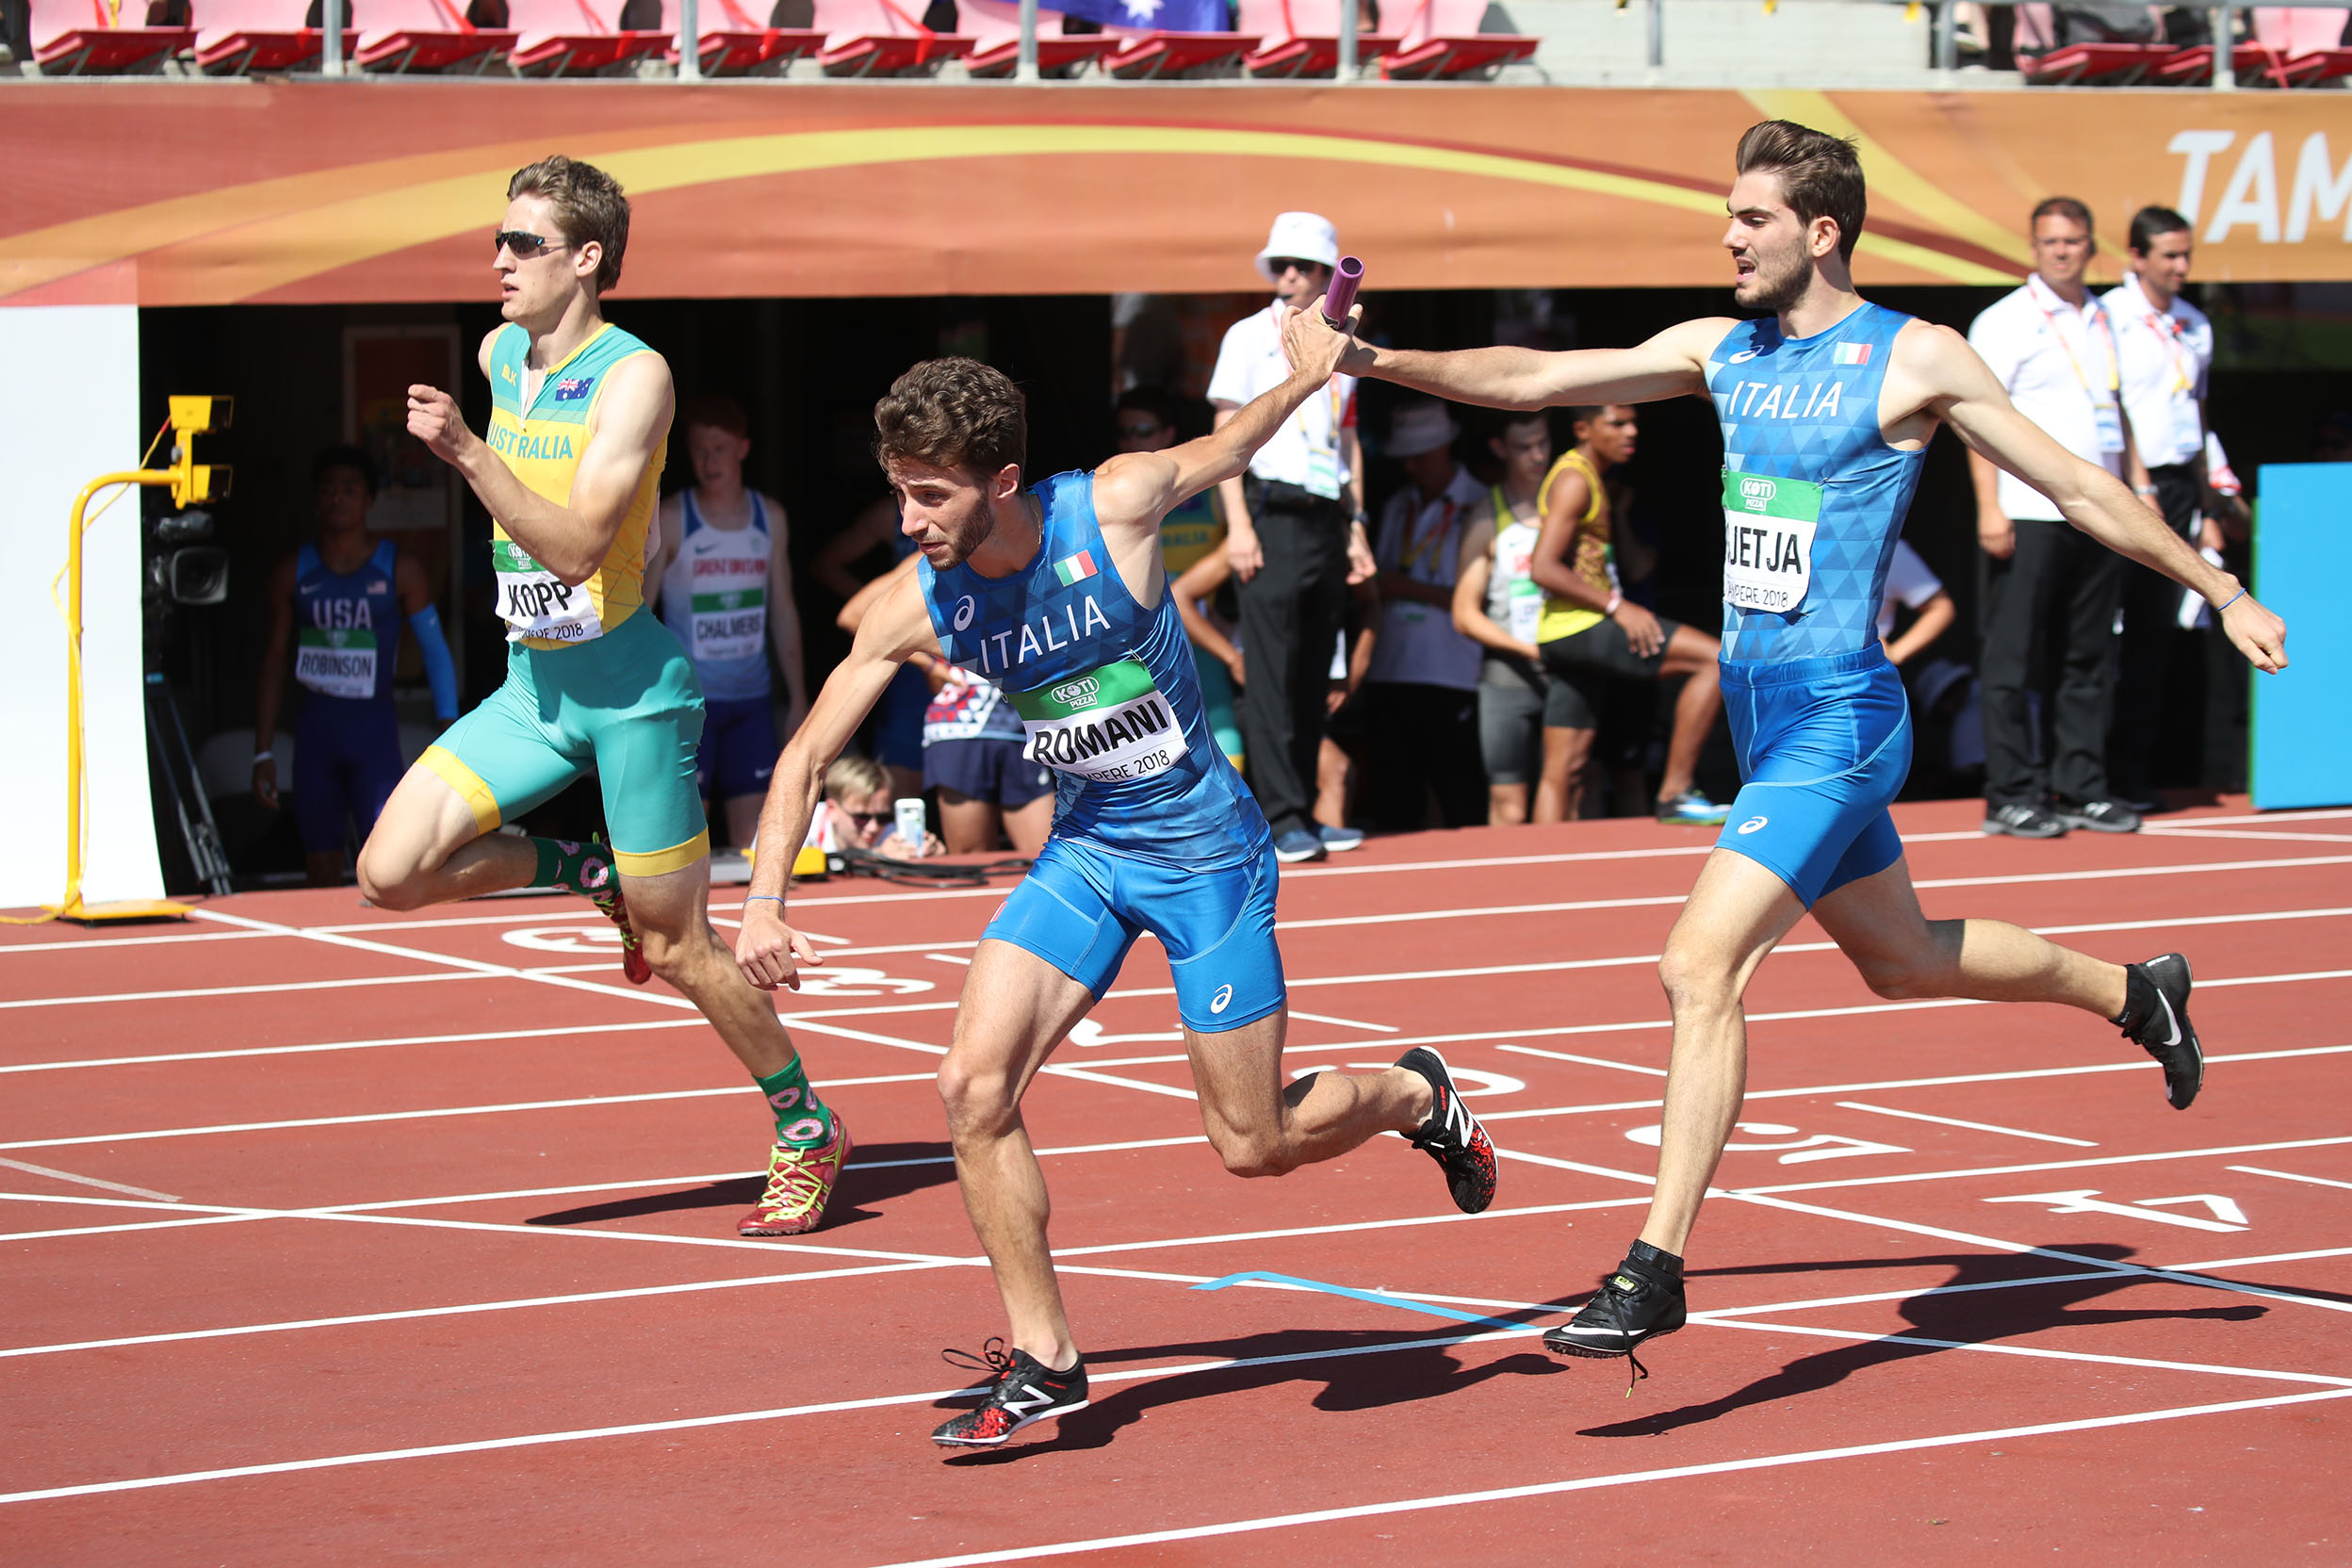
<point x="1373" y="1295"/>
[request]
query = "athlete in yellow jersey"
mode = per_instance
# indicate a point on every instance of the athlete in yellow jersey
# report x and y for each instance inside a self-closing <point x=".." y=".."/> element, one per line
<point x="568" y="472"/>
<point x="1596" y="643"/>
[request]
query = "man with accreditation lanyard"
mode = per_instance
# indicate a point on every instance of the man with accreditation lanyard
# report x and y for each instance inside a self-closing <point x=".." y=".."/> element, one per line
<point x="2166" y="348"/>
<point x="2052" y="591"/>
<point x="1293" y="532"/>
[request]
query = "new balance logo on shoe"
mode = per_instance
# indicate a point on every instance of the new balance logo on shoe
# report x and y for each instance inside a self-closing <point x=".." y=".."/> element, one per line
<point x="1036" y="1399"/>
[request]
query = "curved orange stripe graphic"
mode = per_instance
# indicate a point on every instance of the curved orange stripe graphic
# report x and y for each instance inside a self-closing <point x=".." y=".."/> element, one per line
<point x="279" y="231"/>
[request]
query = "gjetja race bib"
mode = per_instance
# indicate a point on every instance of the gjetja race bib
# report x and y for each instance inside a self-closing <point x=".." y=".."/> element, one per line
<point x="337" y="661"/>
<point x="1104" y="727"/>
<point x="533" y="602"/>
<point x="1768" y="540"/>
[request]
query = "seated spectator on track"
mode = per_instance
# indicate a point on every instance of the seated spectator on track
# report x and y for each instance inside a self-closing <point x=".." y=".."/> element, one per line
<point x="857" y="813"/>
<point x="1420" y="691"/>
<point x="1499" y="605"/>
<point x="725" y="576"/>
<point x="1913" y="586"/>
<point x="1597" y="644"/>
<point x="338" y="603"/>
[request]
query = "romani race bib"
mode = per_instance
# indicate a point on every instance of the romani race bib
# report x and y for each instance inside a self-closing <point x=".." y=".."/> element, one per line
<point x="533" y="602"/>
<point x="1768" y="540"/>
<point x="337" y="661"/>
<point x="1105" y="725"/>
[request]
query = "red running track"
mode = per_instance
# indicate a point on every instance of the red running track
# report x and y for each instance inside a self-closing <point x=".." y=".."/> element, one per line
<point x="336" y="1236"/>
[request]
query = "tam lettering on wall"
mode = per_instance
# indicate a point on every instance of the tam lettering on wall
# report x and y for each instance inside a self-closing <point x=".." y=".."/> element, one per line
<point x="2318" y="189"/>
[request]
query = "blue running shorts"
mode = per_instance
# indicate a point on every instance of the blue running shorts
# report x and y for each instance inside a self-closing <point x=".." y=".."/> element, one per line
<point x="988" y="768"/>
<point x="1824" y="745"/>
<point x="347" y="759"/>
<point x="738" y="750"/>
<point x="1081" y="908"/>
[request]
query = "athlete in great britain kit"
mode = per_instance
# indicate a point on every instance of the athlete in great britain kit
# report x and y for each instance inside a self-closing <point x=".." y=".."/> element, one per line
<point x="1056" y="593"/>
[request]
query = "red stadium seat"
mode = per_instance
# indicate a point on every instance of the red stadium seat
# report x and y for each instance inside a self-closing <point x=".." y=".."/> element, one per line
<point x="2326" y="65"/>
<point x="1141" y="56"/>
<point x="882" y="38"/>
<point x="995" y="27"/>
<point x="571" y="38"/>
<point x="1302" y="38"/>
<point x="235" y="37"/>
<point x="1441" y="40"/>
<point x="88" y="38"/>
<point x="2252" y="64"/>
<point x="427" y="34"/>
<point x="2096" y="64"/>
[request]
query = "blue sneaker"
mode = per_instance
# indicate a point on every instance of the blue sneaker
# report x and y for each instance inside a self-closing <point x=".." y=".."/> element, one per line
<point x="1692" y="809"/>
<point x="1340" y="840"/>
<point x="1296" y="845"/>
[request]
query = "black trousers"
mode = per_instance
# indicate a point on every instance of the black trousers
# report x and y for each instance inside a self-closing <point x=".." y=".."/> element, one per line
<point x="1421" y="740"/>
<point x="1291" y="615"/>
<point x="2050" y="626"/>
<point x="2159" y="667"/>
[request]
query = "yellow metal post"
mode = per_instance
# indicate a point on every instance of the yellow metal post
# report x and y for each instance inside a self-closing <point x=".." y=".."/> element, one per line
<point x="190" y="482"/>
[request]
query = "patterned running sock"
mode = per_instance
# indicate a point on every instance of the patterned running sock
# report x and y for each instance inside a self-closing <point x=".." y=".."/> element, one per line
<point x="801" y="1120"/>
<point x="573" y="868"/>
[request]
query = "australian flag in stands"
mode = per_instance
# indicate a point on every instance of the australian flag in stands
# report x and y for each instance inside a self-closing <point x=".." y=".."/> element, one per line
<point x="1166" y="16"/>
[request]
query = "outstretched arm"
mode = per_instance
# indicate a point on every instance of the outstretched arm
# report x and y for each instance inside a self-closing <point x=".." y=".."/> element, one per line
<point x="572" y="539"/>
<point x="899" y="624"/>
<point x="1669" y="365"/>
<point x="1963" y="391"/>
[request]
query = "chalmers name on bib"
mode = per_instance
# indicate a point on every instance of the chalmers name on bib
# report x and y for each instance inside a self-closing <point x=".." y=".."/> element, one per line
<point x="1109" y="724"/>
<point x="1768" y="540"/>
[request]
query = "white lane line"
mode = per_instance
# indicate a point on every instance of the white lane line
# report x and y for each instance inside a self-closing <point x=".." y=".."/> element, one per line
<point x="355" y="1045"/>
<point x="2053" y="1165"/>
<point x="87" y="1180"/>
<point x="138" y="1225"/>
<point x="1590" y="1483"/>
<point x="2266" y="1257"/>
<point x="1325" y="1018"/>
<point x="2247" y="833"/>
<point x="2289" y="1176"/>
<point x="948" y="957"/>
<point x="198" y="993"/>
<point x="1971" y="1126"/>
<point x="1584" y="1061"/>
<point x="2033" y="1352"/>
<point x="172" y="939"/>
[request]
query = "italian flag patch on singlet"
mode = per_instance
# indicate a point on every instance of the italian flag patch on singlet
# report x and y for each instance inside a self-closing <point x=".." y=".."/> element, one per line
<point x="1768" y="540"/>
<point x="1108" y="725"/>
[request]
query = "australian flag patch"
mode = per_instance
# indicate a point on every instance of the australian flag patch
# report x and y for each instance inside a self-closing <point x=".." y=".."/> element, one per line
<point x="573" y="388"/>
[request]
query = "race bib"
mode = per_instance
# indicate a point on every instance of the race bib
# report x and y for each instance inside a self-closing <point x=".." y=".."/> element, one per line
<point x="1526" y="609"/>
<point x="730" y="624"/>
<point x="1107" y="725"/>
<point x="1768" y="540"/>
<point x="533" y="602"/>
<point x="337" y="661"/>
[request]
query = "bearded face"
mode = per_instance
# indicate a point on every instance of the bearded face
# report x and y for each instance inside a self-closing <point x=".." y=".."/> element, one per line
<point x="1771" y="246"/>
<point x="943" y="511"/>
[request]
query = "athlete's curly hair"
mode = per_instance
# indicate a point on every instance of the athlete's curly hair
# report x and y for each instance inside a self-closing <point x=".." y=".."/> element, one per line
<point x="587" y="202"/>
<point x="1821" y="176"/>
<point x="954" y="414"/>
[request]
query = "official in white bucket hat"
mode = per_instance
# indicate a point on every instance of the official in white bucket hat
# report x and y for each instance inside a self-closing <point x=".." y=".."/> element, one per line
<point x="1299" y="236"/>
<point x="1420" y="427"/>
<point x="1294" y="532"/>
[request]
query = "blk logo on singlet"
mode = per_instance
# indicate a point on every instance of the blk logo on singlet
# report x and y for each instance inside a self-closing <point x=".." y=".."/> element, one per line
<point x="965" y="610"/>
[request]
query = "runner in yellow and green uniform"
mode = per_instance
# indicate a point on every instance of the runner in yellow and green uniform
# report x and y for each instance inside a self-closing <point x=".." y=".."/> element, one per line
<point x="569" y="472"/>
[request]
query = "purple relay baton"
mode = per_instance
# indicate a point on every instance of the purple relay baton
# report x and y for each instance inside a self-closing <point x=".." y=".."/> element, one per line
<point x="1341" y="298"/>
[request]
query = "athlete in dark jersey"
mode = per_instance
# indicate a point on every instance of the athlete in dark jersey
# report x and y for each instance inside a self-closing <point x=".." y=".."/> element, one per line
<point x="1056" y="593"/>
<point x="1825" y="408"/>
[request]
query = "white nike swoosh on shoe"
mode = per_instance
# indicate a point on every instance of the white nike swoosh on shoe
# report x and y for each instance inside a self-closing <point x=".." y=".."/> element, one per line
<point x="2170" y="1019"/>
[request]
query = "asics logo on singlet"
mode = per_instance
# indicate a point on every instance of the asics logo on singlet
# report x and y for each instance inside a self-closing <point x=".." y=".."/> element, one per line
<point x="965" y="610"/>
<point x="1752" y="824"/>
<point x="1079" y="692"/>
<point x="1222" y="999"/>
<point x="1743" y="356"/>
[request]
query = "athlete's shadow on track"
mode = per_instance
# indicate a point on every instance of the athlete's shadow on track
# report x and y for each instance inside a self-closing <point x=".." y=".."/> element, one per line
<point x="876" y="1174"/>
<point x="1357" y="1369"/>
<point x="1968" y="1316"/>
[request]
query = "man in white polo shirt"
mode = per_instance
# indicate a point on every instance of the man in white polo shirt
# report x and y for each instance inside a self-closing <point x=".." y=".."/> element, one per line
<point x="1293" y="532"/>
<point x="2051" y="592"/>
<point x="2165" y="346"/>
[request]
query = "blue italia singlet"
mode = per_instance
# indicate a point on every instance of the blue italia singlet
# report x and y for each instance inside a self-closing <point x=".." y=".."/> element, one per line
<point x="1813" y="495"/>
<point x="1105" y="690"/>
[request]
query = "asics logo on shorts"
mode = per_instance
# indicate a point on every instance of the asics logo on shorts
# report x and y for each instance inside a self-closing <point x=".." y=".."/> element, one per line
<point x="1222" y="999"/>
<point x="1752" y="824"/>
<point x="965" y="610"/>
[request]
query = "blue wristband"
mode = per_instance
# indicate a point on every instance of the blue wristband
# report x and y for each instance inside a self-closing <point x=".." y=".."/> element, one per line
<point x="2230" y="600"/>
<point x="776" y="898"/>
